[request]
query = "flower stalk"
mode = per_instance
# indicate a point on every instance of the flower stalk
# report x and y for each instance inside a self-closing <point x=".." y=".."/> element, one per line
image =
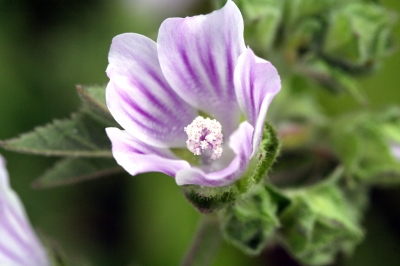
<point x="205" y="244"/>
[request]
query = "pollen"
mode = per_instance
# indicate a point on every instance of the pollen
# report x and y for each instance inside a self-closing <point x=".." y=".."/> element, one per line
<point x="204" y="134"/>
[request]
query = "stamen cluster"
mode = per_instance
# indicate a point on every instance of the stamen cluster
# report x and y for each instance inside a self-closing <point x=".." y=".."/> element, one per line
<point x="204" y="134"/>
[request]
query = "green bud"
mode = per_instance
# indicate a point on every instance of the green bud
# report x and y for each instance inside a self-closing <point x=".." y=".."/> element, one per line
<point x="262" y="18"/>
<point x="249" y="223"/>
<point x="210" y="199"/>
<point x="319" y="224"/>
<point x="362" y="142"/>
<point x="358" y="34"/>
<point x="331" y="77"/>
<point x="297" y="10"/>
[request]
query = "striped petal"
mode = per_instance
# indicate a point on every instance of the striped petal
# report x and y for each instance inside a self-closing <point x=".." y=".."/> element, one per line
<point x="395" y="149"/>
<point x="138" y="157"/>
<point x="241" y="143"/>
<point x="198" y="56"/>
<point x="256" y="84"/>
<point x="19" y="246"/>
<point x="139" y="97"/>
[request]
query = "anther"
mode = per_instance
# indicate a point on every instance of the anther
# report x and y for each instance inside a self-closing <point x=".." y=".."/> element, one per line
<point x="204" y="134"/>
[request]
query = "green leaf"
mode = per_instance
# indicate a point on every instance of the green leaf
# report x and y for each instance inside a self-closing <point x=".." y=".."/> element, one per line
<point x="75" y="170"/>
<point x="320" y="223"/>
<point x="209" y="199"/>
<point x="94" y="103"/>
<point x="78" y="136"/>
<point x="248" y="224"/>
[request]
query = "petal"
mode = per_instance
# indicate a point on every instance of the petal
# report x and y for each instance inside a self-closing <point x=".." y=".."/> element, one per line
<point x="256" y="84"/>
<point x="241" y="143"/>
<point x="139" y="97"/>
<point x="395" y="149"/>
<point x="138" y="157"/>
<point x="19" y="246"/>
<point x="198" y="55"/>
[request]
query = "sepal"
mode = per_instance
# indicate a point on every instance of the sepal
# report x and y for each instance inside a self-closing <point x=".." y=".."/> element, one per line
<point x="250" y="223"/>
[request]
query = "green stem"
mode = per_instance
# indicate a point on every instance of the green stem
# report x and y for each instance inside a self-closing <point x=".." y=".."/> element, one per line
<point x="205" y="243"/>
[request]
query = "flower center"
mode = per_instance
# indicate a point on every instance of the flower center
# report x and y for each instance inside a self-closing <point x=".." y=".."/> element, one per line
<point x="204" y="134"/>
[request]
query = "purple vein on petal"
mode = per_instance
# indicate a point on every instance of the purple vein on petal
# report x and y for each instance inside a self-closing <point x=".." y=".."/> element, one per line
<point x="133" y="105"/>
<point x="229" y="61"/>
<point x="189" y="68"/>
<point x="144" y="150"/>
<point x="153" y="99"/>
<point x="13" y="234"/>
<point x="208" y="63"/>
<point x="31" y="241"/>
<point x="11" y="255"/>
<point x="28" y="244"/>
<point x="170" y="94"/>
<point x="254" y="108"/>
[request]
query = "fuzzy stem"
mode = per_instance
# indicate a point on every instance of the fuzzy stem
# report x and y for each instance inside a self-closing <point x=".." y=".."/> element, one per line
<point x="205" y="243"/>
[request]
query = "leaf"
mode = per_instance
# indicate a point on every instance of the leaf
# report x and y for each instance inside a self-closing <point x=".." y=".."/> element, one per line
<point x="78" y="136"/>
<point x="75" y="170"/>
<point x="94" y="103"/>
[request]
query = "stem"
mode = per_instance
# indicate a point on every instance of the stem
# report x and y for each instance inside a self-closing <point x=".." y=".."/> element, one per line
<point x="205" y="243"/>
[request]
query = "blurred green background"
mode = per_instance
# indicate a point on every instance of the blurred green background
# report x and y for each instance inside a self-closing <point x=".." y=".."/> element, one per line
<point x="47" y="47"/>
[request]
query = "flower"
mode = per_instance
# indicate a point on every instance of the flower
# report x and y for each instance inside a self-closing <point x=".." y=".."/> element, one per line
<point x="395" y="149"/>
<point x="199" y="78"/>
<point x="19" y="246"/>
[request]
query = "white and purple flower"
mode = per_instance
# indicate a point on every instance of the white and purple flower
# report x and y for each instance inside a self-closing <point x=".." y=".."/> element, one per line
<point x="19" y="246"/>
<point x="159" y="93"/>
<point x="395" y="149"/>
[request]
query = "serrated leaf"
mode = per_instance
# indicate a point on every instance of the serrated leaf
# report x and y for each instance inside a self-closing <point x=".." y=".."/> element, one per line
<point x="94" y="103"/>
<point x="75" y="170"/>
<point x="78" y="136"/>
